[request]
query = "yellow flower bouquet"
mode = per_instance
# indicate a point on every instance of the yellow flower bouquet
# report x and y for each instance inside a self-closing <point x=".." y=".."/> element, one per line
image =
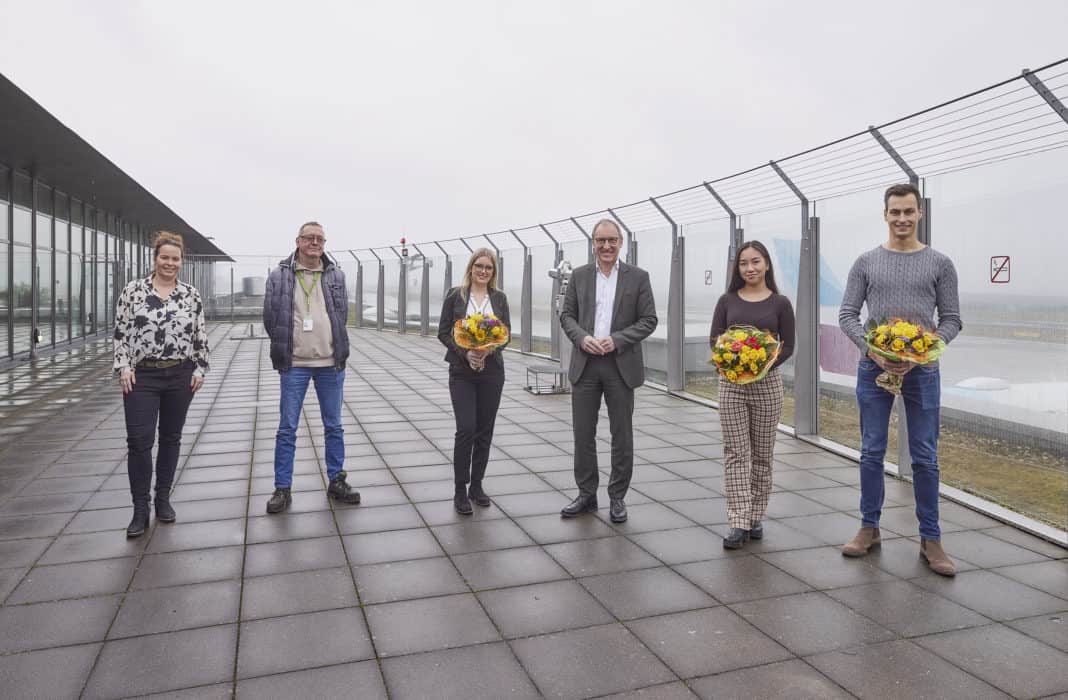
<point x="744" y="354"/>
<point x="482" y="332"/>
<point x="899" y="340"/>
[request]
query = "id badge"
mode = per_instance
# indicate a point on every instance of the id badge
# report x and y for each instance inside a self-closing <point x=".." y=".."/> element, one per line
<point x="307" y="325"/>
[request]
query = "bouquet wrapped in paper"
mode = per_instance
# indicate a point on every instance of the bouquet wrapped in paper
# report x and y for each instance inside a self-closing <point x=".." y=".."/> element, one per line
<point x="482" y="332"/>
<point x="897" y="339"/>
<point x="744" y="354"/>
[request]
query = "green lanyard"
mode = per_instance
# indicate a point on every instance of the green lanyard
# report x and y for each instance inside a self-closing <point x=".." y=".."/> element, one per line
<point x="308" y="292"/>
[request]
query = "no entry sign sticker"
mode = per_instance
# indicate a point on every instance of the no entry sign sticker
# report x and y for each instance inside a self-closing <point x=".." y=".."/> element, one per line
<point x="999" y="269"/>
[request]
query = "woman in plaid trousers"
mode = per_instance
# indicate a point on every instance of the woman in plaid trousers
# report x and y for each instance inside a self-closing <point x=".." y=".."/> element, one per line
<point x="749" y="413"/>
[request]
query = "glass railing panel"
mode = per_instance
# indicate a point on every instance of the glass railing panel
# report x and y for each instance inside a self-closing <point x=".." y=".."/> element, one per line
<point x="705" y="279"/>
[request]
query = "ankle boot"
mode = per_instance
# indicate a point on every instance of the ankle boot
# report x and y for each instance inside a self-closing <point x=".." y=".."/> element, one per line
<point x="937" y="559"/>
<point x="139" y="523"/>
<point x="479" y="496"/>
<point x="461" y="502"/>
<point x="865" y="539"/>
<point x="164" y="512"/>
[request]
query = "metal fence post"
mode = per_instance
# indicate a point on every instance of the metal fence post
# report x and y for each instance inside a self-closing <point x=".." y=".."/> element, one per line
<point x="676" y="332"/>
<point x="424" y="293"/>
<point x="589" y="241"/>
<point x="380" y="292"/>
<point x="735" y="241"/>
<point x="806" y="366"/>
<point x="358" y="296"/>
<point x="448" y="269"/>
<point x="525" y="301"/>
<point x="402" y="289"/>
<point x="231" y="292"/>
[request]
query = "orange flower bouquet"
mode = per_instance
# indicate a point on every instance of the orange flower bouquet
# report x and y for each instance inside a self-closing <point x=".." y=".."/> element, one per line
<point x="482" y="332"/>
<point x="744" y="354"/>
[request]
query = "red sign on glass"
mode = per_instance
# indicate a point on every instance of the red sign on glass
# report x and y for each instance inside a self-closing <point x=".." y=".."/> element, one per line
<point x="999" y="269"/>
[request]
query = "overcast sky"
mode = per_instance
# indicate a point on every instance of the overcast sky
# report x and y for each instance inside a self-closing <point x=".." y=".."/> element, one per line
<point x="437" y="119"/>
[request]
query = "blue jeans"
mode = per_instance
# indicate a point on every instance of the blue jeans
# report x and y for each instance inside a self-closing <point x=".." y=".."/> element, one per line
<point x="329" y="384"/>
<point x="921" y="391"/>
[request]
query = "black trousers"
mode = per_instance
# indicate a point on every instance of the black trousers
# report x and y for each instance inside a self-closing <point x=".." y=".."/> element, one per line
<point x="601" y="377"/>
<point x="476" y="396"/>
<point x="159" y="396"/>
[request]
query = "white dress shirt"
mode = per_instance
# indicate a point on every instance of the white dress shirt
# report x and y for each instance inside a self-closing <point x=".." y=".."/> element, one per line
<point x="485" y="308"/>
<point x="606" y="298"/>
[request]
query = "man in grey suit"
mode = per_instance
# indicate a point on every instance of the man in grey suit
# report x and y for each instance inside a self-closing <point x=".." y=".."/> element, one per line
<point x="608" y="311"/>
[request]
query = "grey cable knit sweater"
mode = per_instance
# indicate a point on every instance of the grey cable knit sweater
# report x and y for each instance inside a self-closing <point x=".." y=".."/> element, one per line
<point x="906" y="285"/>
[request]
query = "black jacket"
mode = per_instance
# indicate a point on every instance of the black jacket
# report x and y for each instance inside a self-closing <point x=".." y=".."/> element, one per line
<point x="278" y="311"/>
<point x="453" y="309"/>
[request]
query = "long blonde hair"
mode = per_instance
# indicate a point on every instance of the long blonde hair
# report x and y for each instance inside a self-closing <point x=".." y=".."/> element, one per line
<point x="465" y="285"/>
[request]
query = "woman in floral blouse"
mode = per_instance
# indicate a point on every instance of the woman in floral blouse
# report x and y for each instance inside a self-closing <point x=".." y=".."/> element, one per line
<point x="161" y="356"/>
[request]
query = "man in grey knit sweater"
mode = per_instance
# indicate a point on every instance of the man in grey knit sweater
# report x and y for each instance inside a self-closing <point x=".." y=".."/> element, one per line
<point x="902" y="278"/>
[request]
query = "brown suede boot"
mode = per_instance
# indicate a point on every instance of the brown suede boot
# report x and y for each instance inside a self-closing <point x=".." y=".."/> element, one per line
<point x="865" y="539"/>
<point x="937" y="559"/>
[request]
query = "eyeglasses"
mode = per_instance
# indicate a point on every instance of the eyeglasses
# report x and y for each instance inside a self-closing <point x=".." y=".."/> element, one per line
<point x="606" y="242"/>
<point x="482" y="268"/>
<point x="319" y="240"/>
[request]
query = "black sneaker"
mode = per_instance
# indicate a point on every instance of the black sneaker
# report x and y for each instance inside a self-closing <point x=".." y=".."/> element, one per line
<point x="280" y="501"/>
<point x="341" y="492"/>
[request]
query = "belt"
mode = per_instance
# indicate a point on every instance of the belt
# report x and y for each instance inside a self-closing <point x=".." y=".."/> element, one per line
<point x="160" y="364"/>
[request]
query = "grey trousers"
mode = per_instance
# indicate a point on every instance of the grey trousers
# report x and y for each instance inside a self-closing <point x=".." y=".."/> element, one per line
<point x="601" y="378"/>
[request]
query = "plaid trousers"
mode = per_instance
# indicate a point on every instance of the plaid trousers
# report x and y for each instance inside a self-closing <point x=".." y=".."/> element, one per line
<point x="749" y="415"/>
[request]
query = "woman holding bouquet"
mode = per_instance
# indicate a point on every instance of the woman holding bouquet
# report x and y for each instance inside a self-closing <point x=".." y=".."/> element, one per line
<point x="476" y="377"/>
<point x="749" y="413"/>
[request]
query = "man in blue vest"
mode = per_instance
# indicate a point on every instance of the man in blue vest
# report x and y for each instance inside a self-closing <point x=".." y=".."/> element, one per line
<point x="305" y="309"/>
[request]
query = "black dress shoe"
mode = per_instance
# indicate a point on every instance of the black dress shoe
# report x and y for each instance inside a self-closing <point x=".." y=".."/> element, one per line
<point x="479" y="496"/>
<point x="583" y="504"/>
<point x="462" y="503"/>
<point x="736" y="538"/>
<point x="139" y="523"/>
<point x="279" y="501"/>
<point x="756" y="531"/>
<point x="617" y="510"/>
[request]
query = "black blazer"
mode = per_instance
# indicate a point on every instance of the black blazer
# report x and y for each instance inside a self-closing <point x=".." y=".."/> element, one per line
<point x="454" y="309"/>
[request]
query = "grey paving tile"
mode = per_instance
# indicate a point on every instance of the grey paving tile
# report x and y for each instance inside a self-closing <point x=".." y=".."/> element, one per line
<point x="740" y="578"/>
<point x="810" y="623"/>
<point x="360" y="520"/>
<point x="778" y="537"/>
<point x="1051" y="628"/>
<point x="646" y="517"/>
<point x="42" y="625"/>
<point x="550" y="528"/>
<point x="509" y="567"/>
<point x="989" y="594"/>
<point x="467" y="537"/>
<point x="485" y="671"/>
<point x="196" y="566"/>
<point x="702" y="642"/>
<point x="59" y="503"/>
<point x="76" y="580"/>
<point x="785" y="504"/>
<point x="786" y="679"/>
<point x="600" y="556"/>
<point x="443" y="513"/>
<point x="589" y="662"/>
<point x="829" y="528"/>
<point x="14" y="527"/>
<point x="48" y="673"/>
<point x="22" y="553"/>
<point x="542" y="608"/>
<point x="9" y="579"/>
<point x="398" y="545"/>
<point x="907" y="609"/>
<point x="1028" y="541"/>
<point x="679" y="546"/>
<point x="299" y="592"/>
<point x="361" y="679"/>
<point x="181" y="607"/>
<point x="901" y="557"/>
<point x="540" y="503"/>
<point x="1022" y="666"/>
<point x="825" y="567"/>
<point x="292" y="526"/>
<point x="876" y="671"/>
<point x="68" y="484"/>
<point x="1048" y="576"/>
<point x="985" y="551"/>
<point x="428" y="624"/>
<point x="297" y="642"/>
<point x="669" y="691"/>
<point x="646" y="592"/>
<point x="213" y="509"/>
<point x="217" y="489"/>
<point x="181" y="536"/>
<point x="797" y="480"/>
<point x="967" y="517"/>
<point x="703" y="511"/>
<point x="163" y="662"/>
<point x="293" y="555"/>
<point x="419" y="578"/>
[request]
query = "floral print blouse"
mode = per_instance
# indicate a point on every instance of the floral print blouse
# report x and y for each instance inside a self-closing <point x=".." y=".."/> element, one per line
<point x="147" y="327"/>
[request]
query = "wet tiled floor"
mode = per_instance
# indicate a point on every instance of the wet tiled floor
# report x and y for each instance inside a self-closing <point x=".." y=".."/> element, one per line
<point x="401" y="597"/>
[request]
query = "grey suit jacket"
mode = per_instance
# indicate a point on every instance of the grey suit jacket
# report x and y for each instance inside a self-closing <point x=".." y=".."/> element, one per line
<point x="633" y="319"/>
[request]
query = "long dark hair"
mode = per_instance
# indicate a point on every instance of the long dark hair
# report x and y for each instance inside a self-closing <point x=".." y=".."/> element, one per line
<point x="736" y="277"/>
